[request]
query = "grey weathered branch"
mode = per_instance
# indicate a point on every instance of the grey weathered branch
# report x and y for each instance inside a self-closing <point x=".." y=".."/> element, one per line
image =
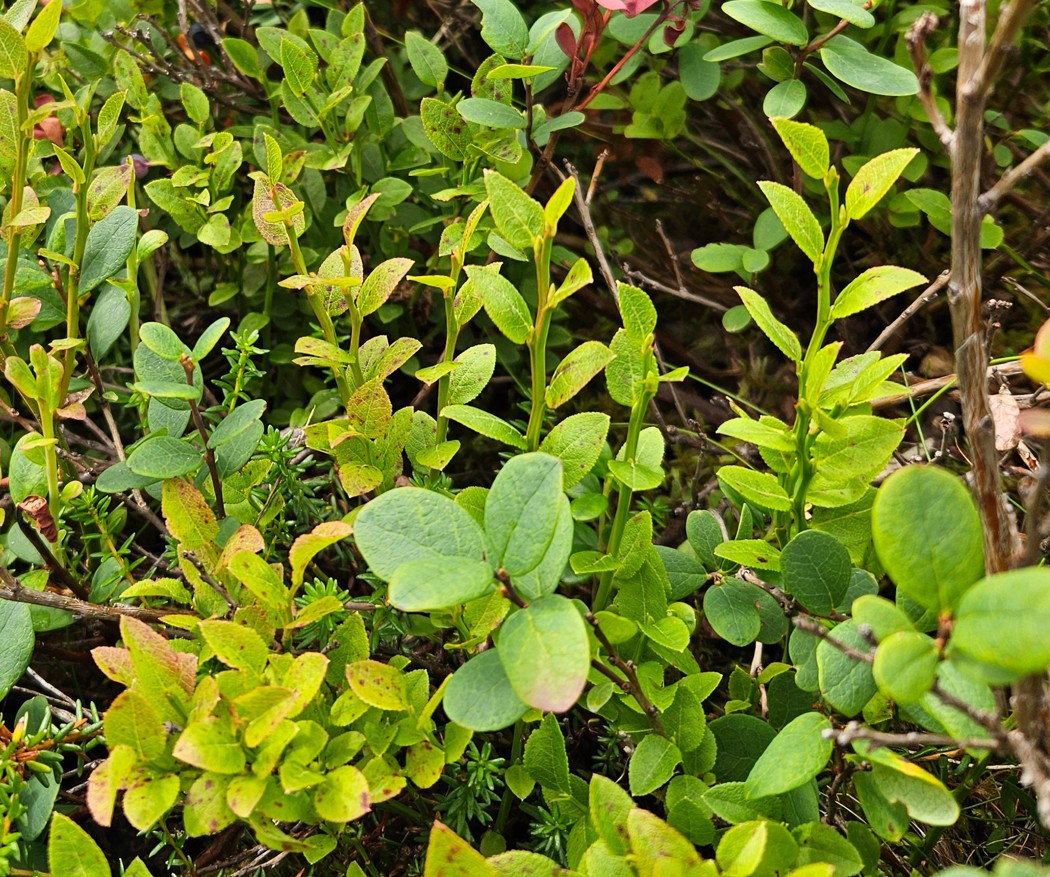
<point x="990" y="199"/>
<point x="12" y="589"/>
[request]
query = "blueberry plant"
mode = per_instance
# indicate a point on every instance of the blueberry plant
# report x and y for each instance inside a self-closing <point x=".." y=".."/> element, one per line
<point x="384" y="495"/>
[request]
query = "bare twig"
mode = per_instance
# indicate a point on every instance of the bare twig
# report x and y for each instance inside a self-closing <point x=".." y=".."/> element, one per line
<point x="935" y="385"/>
<point x="990" y="199"/>
<point x="12" y="589"/>
<point x="916" y="39"/>
<point x="629" y="684"/>
<point x="807" y="624"/>
<point x="583" y="206"/>
<point x="924" y="298"/>
<point x="912" y="740"/>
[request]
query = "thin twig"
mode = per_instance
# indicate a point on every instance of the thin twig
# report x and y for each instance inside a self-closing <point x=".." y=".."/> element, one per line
<point x="916" y="40"/>
<point x="988" y="201"/>
<point x="12" y="589"/>
<point x="630" y="684"/>
<point x="208" y="578"/>
<point x="584" y="208"/>
<point x="808" y="625"/>
<point x="935" y="385"/>
<point x="911" y="740"/>
<point x="924" y="298"/>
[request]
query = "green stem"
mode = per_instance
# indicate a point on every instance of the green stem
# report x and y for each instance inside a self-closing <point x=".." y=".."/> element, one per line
<point x="516" y="748"/>
<point x="802" y="472"/>
<point x="134" y="296"/>
<point x="47" y="428"/>
<point x="538" y="344"/>
<point x="448" y="355"/>
<point x="322" y="315"/>
<point x="23" y="89"/>
<point x="623" y="501"/>
<point x="69" y="355"/>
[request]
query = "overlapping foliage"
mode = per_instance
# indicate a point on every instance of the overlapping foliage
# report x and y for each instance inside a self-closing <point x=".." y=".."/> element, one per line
<point x="336" y="437"/>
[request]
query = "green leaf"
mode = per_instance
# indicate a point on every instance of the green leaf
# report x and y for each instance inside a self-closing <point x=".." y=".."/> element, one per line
<point x="502" y="302"/>
<point x="736" y="48"/>
<point x="785" y="99"/>
<point x="655" y="844"/>
<point x="854" y="13"/>
<point x="429" y="584"/>
<point x="300" y="66"/>
<point x="785" y="340"/>
<point x="822" y="844"/>
<point x="874" y="180"/>
<point x="704" y="533"/>
<point x="545" y="653"/>
<point x="378" y="684"/>
<point x="414" y="524"/>
<point x="427" y="60"/>
<point x="797" y="754"/>
<point x="637" y="311"/>
<point x="761" y="488"/>
<point x="816" y="569"/>
<point x="308" y="545"/>
<point x="445" y="128"/>
<point x="1001" y="622"/>
<point x="108" y="245"/>
<point x="766" y="432"/>
<point x="525" y="522"/>
<point x="70" y="850"/>
<point x="210" y="745"/>
<point x="518" y="217"/>
<point x="609" y="805"/>
<point x="575" y="370"/>
<point x="577" y="441"/>
<point x="475" y="367"/>
<point x="769" y="19"/>
<point x="188" y="515"/>
<point x="928" y="535"/>
<point x="108" y="320"/>
<point x="700" y="78"/>
<point x="448" y="855"/>
<point x="342" y="795"/>
<point x="855" y="65"/>
<point x="845" y="681"/>
<point x="905" y="666"/>
<point x="873" y="286"/>
<point x="196" y="103"/>
<point x="42" y="30"/>
<point x="485" y="424"/>
<point x="730" y="609"/>
<point x="16" y="643"/>
<point x="922" y="794"/>
<point x="795" y="215"/>
<point x="652" y="764"/>
<point x="503" y="27"/>
<point x="490" y="113"/>
<point x="244" y="55"/>
<point x="164" y="457"/>
<point x="480" y="697"/>
<point x="381" y="283"/>
<point x="236" y="645"/>
<point x="860" y="450"/>
<point x="545" y="757"/>
<point x="807" y="144"/>
<point x="14" y="57"/>
<point x="578" y="276"/>
<point x="756" y="848"/>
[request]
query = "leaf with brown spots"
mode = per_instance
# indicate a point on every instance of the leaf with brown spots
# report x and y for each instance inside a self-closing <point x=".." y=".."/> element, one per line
<point x="448" y="855"/>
